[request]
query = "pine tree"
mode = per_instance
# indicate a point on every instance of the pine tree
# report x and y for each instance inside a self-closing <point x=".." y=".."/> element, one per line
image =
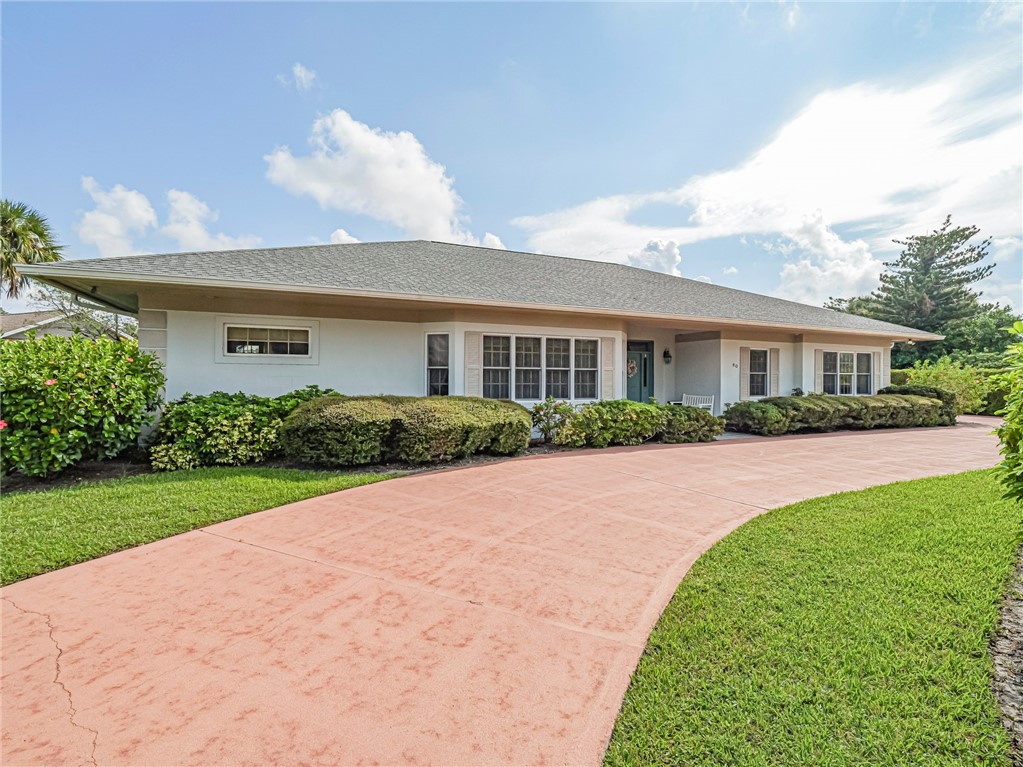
<point x="928" y="285"/>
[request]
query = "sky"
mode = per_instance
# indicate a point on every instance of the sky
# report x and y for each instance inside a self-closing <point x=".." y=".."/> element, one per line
<point x="777" y="147"/>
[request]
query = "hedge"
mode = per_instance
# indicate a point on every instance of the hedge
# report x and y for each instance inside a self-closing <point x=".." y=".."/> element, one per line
<point x="345" y="431"/>
<point x="221" y="429"/>
<point x="992" y="379"/>
<point x="823" y="413"/>
<point x="69" y="399"/>
<point x="623" y="422"/>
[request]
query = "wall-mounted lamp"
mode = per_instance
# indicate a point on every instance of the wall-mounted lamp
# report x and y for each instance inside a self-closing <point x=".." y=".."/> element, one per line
<point x="667" y="357"/>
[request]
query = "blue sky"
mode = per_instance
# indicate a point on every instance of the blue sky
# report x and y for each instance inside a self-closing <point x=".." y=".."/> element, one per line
<point x="775" y="147"/>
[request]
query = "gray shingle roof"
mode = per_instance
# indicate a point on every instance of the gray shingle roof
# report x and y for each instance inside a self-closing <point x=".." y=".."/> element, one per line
<point x="436" y="269"/>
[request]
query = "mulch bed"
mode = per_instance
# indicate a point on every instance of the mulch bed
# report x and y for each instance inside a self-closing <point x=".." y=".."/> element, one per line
<point x="1007" y="654"/>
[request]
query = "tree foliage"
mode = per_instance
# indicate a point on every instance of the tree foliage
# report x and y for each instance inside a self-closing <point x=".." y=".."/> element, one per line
<point x="1011" y="431"/>
<point x="25" y="238"/>
<point x="86" y="320"/>
<point x="930" y="287"/>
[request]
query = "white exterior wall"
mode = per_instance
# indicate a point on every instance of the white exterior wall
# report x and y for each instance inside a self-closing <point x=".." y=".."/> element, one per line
<point x="787" y="377"/>
<point x="698" y="369"/>
<point x="352" y="356"/>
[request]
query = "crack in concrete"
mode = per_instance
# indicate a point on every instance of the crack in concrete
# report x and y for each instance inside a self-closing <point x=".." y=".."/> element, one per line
<point x="72" y="711"/>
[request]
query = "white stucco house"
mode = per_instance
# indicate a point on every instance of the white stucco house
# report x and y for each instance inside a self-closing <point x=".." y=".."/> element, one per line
<point x="420" y="317"/>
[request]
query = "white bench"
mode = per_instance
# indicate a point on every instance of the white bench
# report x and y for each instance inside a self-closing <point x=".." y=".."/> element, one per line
<point x="706" y="401"/>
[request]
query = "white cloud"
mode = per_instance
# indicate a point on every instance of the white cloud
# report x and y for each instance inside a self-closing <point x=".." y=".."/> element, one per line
<point x="1000" y="13"/>
<point x="301" y="77"/>
<point x="341" y="237"/>
<point x="658" y="256"/>
<point x="493" y="241"/>
<point x="119" y="217"/>
<point x="791" y="11"/>
<point x="882" y="160"/>
<point x="186" y="222"/>
<point x="704" y="278"/>
<point x="387" y="176"/>
<point x="729" y="270"/>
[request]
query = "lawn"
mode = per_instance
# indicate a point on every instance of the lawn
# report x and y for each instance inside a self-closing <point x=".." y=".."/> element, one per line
<point x="846" y="630"/>
<point x="43" y="531"/>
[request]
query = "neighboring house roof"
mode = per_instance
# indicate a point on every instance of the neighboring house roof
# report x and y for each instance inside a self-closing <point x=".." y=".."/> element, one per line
<point x="420" y="269"/>
<point x="22" y="322"/>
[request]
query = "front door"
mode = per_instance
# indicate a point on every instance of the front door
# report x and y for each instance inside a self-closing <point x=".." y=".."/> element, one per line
<point x="639" y="371"/>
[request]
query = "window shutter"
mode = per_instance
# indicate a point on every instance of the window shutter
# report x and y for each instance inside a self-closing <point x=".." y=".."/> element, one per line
<point x="743" y="372"/>
<point x="607" y="368"/>
<point x="775" y="363"/>
<point x="818" y="370"/>
<point x="876" y="372"/>
<point x="473" y="364"/>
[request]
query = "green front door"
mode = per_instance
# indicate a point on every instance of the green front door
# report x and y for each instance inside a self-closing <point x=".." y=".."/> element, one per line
<point x="639" y="378"/>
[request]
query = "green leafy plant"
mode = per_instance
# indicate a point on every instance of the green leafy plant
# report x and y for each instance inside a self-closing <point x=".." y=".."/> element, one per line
<point x="1011" y="430"/>
<point x="333" y="431"/>
<point x="221" y="429"/>
<point x="612" y="422"/>
<point x="949" y="401"/>
<point x="549" y="416"/>
<point x="690" y="424"/>
<point x="69" y="399"/>
<point x="966" y="383"/>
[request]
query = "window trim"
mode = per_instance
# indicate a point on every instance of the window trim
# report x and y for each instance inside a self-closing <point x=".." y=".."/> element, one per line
<point x="543" y="364"/>
<point x="223" y="322"/>
<point x="426" y="360"/>
<point x="855" y="372"/>
<point x="766" y="373"/>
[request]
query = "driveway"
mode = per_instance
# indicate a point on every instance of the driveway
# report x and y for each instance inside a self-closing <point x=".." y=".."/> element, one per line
<point x="484" y="616"/>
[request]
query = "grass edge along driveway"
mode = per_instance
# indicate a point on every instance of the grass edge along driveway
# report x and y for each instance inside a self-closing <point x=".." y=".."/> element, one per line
<point x="848" y="629"/>
<point x="51" y="529"/>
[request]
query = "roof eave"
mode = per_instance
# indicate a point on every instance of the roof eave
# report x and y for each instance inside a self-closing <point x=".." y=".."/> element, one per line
<point x="54" y="272"/>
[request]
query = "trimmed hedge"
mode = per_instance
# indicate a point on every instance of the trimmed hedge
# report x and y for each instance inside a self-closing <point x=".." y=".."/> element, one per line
<point x="70" y="399"/>
<point x="949" y="401"/>
<point x="823" y="413"/>
<point x="623" y="422"/>
<point x="346" y="431"/>
<point x="221" y="429"/>
<point x="690" y="424"/>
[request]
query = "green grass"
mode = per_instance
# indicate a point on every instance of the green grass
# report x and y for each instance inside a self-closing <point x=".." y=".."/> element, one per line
<point x="43" y="531"/>
<point x="846" y="630"/>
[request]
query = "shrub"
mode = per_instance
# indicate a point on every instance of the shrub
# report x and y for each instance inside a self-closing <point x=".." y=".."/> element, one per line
<point x="965" y="382"/>
<point x="690" y="424"/>
<point x="341" y="432"/>
<point x="788" y="415"/>
<point x="68" y="399"/>
<point x="549" y="416"/>
<point x="1011" y="431"/>
<point x="612" y="422"/>
<point x="949" y="401"/>
<point x="221" y="429"/>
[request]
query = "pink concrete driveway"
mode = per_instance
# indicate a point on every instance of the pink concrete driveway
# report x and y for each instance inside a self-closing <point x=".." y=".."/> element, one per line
<point x="486" y="616"/>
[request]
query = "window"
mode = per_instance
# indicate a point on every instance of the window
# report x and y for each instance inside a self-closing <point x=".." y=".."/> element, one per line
<point x="243" y="339"/>
<point x="585" y="369"/>
<point x="757" y="372"/>
<point x="527" y="368"/>
<point x="559" y="368"/>
<point x="533" y="367"/>
<point x="496" y="366"/>
<point x="437" y="364"/>
<point x="847" y="373"/>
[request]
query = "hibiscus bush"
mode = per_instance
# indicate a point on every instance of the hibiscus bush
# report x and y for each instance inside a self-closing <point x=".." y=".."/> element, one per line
<point x="968" y="385"/>
<point x="69" y="399"/>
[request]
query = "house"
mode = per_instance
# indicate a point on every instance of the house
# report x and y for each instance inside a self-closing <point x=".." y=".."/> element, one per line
<point x="17" y="325"/>
<point x="423" y="317"/>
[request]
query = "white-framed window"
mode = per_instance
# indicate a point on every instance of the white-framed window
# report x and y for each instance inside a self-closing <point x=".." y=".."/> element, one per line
<point x="847" y="373"/>
<point x="530" y="368"/>
<point x="758" y="372"/>
<point x="438" y="368"/>
<point x="262" y="340"/>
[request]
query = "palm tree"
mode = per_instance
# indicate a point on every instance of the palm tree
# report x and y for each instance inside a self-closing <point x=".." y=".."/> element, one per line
<point x="26" y="238"/>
